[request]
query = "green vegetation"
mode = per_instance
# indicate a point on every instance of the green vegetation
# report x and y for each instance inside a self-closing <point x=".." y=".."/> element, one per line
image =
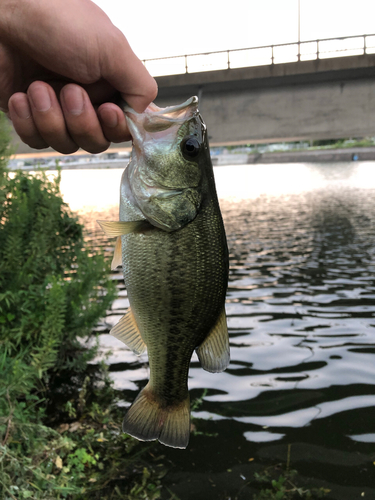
<point x="343" y="143"/>
<point x="282" y="486"/>
<point x="60" y="426"/>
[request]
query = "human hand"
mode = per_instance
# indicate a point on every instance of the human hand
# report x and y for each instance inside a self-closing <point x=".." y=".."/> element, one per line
<point x="63" y="64"/>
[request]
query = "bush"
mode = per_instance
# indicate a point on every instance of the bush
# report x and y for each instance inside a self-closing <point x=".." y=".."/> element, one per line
<point x="59" y="423"/>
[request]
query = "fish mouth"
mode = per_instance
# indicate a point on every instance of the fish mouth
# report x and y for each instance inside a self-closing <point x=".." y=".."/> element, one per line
<point x="159" y="191"/>
<point x="163" y="191"/>
<point x="192" y="101"/>
<point x="155" y="110"/>
<point x="162" y="121"/>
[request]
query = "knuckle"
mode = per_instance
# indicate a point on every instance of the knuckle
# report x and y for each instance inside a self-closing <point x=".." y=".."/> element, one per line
<point x="32" y="139"/>
<point x="35" y="143"/>
<point x="65" y="150"/>
<point x="115" y="135"/>
<point x="95" y="148"/>
<point x="90" y="139"/>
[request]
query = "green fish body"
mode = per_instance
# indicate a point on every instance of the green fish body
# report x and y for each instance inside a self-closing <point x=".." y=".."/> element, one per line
<point x="175" y="262"/>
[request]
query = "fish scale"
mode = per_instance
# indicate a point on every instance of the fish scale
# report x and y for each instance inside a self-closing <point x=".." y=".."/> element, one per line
<point x="177" y="290"/>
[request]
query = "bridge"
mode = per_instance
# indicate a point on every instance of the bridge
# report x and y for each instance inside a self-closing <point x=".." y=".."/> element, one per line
<point x="319" y="89"/>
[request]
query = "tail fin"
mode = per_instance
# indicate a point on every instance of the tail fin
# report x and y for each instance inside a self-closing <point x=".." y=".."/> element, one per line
<point x="147" y="420"/>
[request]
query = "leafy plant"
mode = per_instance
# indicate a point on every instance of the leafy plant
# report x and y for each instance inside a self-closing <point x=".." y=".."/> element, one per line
<point x="60" y="434"/>
<point x="283" y="487"/>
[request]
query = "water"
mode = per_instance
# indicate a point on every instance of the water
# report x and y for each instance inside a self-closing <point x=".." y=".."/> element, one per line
<point x="301" y="317"/>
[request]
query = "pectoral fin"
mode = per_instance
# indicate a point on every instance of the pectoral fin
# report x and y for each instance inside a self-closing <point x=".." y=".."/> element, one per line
<point x="127" y="331"/>
<point x="118" y="228"/>
<point x="213" y="353"/>
<point x="117" y="256"/>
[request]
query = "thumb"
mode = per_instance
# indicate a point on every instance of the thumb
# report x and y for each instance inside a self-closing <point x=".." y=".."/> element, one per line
<point x="127" y="74"/>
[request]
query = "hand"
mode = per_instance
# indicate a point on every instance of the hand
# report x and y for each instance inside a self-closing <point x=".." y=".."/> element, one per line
<point x="63" y="64"/>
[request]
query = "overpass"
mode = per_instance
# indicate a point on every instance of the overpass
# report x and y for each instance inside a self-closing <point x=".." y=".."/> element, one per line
<point x="320" y="89"/>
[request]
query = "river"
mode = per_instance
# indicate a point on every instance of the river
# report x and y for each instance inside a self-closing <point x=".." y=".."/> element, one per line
<point x="301" y="317"/>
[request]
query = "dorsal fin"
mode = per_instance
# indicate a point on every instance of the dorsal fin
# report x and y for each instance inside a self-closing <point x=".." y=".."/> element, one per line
<point x="128" y="332"/>
<point x="213" y="353"/>
<point x="117" y="256"/>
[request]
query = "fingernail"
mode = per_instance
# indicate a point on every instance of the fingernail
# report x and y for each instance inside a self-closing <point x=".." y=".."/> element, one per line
<point x="40" y="98"/>
<point x="22" y="109"/>
<point x="73" y="99"/>
<point x="109" y="118"/>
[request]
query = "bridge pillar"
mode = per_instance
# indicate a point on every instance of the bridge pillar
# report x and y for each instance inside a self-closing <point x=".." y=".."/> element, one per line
<point x="320" y="99"/>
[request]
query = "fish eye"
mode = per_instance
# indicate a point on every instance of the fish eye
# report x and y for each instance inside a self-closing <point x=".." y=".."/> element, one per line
<point x="190" y="147"/>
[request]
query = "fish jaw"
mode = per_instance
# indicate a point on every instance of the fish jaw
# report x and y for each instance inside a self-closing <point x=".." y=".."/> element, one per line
<point x="155" y="118"/>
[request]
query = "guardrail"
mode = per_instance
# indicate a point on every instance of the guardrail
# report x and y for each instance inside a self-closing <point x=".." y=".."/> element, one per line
<point x="261" y="56"/>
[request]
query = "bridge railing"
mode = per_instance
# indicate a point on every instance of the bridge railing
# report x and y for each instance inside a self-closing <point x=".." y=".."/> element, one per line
<point x="261" y="56"/>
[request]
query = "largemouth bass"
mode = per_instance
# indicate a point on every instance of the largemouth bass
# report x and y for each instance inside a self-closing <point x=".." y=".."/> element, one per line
<point x="172" y="245"/>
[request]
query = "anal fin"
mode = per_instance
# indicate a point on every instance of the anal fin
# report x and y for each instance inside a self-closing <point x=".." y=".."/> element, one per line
<point x="213" y="353"/>
<point x="128" y="332"/>
<point x="117" y="256"/>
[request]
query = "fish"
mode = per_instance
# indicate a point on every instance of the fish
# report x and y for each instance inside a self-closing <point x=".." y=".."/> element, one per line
<point x="172" y="245"/>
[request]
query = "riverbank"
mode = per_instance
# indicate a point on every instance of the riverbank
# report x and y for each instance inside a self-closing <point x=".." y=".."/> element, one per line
<point x="304" y="156"/>
<point x="86" y="161"/>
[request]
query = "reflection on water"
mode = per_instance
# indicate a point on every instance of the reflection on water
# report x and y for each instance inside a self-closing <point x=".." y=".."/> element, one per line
<point x="300" y="308"/>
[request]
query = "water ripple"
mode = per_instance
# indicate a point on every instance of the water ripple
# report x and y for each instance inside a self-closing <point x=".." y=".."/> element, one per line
<point x="300" y="307"/>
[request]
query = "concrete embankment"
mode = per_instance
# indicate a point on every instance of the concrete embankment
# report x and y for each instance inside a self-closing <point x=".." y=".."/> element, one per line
<point x="315" y="156"/>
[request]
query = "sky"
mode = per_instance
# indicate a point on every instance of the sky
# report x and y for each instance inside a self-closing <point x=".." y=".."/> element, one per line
<point x="161" y="28"/>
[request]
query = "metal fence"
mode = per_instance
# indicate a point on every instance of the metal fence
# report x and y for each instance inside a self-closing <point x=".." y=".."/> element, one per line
<point x="262" y="56"/>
